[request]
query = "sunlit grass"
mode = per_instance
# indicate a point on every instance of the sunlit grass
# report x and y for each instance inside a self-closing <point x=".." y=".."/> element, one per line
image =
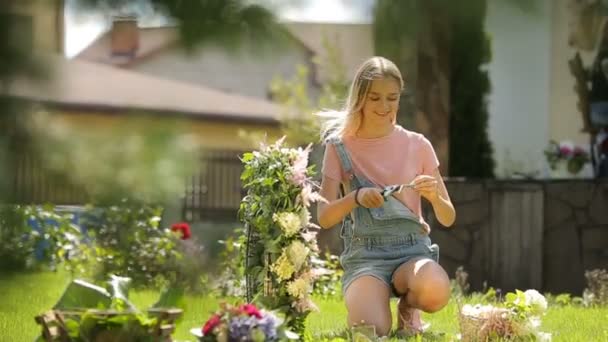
<point x="26" y="295"/>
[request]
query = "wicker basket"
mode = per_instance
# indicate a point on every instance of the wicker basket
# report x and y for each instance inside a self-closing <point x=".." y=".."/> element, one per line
<point x="485" y="326"/>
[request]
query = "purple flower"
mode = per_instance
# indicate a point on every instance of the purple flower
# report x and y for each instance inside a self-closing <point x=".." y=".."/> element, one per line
<point x="241" y="326"/>
<point x="268" y="324"/>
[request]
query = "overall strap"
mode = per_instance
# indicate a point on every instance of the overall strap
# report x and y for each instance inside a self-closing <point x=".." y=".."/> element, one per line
<point x="346" y="162"/>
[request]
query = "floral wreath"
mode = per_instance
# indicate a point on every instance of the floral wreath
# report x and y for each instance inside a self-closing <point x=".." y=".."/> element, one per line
<point x="281" y="240"/>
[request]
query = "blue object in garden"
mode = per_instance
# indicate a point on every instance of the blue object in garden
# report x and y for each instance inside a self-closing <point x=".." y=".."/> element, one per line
<point x="77" y="212"/>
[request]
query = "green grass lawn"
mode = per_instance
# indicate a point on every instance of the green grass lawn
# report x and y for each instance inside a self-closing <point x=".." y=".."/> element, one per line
<point x="25" y="295"/>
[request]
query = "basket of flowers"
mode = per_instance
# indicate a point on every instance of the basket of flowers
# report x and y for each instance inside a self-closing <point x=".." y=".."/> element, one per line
<point x="518" y="317"/>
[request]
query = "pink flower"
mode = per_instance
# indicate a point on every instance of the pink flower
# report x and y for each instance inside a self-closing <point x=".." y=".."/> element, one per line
<point x="298" y="169"/>
<point x="579" y="151"/>
<point x="307" y="196"/>
<point x="250" y="310"/>
<point x="213" y="322"/>
<point x="565" y="151"/>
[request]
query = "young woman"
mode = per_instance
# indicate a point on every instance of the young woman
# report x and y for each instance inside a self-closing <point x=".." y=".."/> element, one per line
<point x="387" y="250"/>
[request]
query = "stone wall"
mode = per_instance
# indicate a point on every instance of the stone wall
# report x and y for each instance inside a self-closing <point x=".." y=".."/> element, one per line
<point x="568" y="217"/>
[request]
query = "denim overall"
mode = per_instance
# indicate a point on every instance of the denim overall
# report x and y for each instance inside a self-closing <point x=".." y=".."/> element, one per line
<point x="379" y="240"/>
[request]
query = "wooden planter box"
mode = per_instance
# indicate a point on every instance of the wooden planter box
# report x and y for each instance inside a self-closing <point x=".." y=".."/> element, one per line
<point x="53" y="324"/>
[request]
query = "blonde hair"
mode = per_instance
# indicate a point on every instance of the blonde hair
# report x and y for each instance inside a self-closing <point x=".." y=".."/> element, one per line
<point x="347" y="121"/>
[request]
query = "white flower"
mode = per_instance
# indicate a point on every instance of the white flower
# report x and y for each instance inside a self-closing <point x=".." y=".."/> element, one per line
<point x="297" y="254"/>
<point x="283" y="268"/>
<point x="309" y="236"/>
<point x="483" y="311"/>
<point x="534" y="322"/>
<point x="305" y="217"/>
<point x="543" y="336"/>
<point x="300" y="287"/>
<point x="290" y="223"/>
<point x="536" y="301"/>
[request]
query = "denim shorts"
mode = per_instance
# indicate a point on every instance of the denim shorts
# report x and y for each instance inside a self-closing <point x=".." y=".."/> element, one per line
<point x="380" y="256"/>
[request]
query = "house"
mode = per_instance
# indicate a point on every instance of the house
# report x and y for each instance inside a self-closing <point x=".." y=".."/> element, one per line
<point x="154" y="51"/>
<point x="91" y="96"/>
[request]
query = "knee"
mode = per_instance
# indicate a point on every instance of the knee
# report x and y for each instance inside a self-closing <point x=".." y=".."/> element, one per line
<point x="434" y="295"/>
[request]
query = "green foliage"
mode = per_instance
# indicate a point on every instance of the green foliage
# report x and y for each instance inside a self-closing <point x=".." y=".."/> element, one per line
<point x="16" y="239"/>
<point x="298" y="121"/>
<point x="65" y="243"/>
<point x="328" y="284"/>
<point x="58" y="240"/>
<point x="231" y="23"/>
<point x="143" y="159"/>
<point x="130" y="242"/>
<point x="231" y="280"/>
<point x="471" y="151"/>
<point x="397" y="25"/>
<point x="113" y="320"/>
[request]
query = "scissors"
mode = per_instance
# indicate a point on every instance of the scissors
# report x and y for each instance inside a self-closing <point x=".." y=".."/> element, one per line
<point x="391" y="189"/>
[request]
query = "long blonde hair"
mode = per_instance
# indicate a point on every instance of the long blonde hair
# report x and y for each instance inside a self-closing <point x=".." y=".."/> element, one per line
<point x="337" y="124"/>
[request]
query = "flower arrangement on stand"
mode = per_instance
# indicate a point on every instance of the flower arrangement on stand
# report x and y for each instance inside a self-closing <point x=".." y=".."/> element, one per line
<point x="242" y="323"/>
<point x="280" y="270"/>
<point x="518" y="317"/>
<point x="566" y="159"/>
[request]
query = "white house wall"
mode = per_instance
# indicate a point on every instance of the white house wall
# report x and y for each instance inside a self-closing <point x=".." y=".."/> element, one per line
<point x="520" y="75"/>
<point x="565" y="120"/>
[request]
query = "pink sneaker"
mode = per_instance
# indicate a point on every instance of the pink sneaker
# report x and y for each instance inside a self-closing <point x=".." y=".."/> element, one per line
<point x="408" y="319"/>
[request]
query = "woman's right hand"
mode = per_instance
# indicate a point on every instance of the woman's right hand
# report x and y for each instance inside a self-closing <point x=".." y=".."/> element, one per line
<point x="370" y="197"/>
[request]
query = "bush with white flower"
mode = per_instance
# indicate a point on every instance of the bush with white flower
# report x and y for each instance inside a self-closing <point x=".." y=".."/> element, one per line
<point x="281" y="239"/>
<point x="518" y="317"/>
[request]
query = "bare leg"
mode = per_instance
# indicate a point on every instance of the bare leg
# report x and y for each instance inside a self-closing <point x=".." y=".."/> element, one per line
<point x="367" y="300"/>
<point x="424" y="285"/>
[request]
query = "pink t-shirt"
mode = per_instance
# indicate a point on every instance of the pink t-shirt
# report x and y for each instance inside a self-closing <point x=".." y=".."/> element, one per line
<point x="396" y="158"/>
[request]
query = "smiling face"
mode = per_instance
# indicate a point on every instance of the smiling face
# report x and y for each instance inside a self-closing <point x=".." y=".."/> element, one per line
<point x="382" y="102"/>
<point x="373" y="98"/>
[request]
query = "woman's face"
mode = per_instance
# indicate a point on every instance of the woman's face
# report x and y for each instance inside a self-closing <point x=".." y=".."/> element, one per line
<point x="382" y="101"/>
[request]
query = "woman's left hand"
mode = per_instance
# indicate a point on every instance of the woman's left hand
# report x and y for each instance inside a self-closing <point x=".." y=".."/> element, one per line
<point x="426" y="186"/>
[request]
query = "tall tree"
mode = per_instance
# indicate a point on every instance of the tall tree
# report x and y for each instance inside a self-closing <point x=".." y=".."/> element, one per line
<point x="441" y="47"/>
<point x="470" y="149"/>
<point x="415" y="35"/>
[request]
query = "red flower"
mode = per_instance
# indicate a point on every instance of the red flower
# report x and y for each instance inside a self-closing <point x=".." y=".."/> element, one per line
<point x="183" y="228"/>
<point x="213" y="322"/>
<point x="250" y="310"/>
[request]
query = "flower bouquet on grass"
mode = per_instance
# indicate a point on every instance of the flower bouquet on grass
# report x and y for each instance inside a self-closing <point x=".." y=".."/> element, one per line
<point x="519" y="317"/>
<point x="243" y="323"/>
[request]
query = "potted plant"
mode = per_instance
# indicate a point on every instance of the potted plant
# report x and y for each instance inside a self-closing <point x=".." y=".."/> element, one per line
<point x="565" y="159"/>
<point x="87" y="312"/>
